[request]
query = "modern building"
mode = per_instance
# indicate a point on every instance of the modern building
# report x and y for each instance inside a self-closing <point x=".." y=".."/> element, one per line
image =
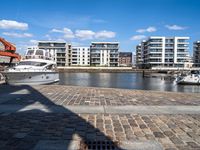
<point x="165" y="51"/>
<point x="80" y="56"/>
<point x="104" y="54"/>
<point x="196" y="53"/>
<point x="125" y="58"/>
<point x="139" y="60"/>
<point x="60" y="51"/>
<point x="134" y="60"/>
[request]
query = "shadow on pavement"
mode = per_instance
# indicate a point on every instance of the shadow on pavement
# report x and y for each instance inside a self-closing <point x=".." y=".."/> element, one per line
<point x="44" y="128"/>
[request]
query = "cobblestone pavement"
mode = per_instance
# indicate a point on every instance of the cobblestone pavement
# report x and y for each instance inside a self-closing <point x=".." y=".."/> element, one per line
<point x="72" y="95"/>
<point x="25" y="130"/>
<point x="30" y="130"/>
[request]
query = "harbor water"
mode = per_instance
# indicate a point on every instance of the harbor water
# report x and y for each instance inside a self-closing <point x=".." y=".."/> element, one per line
<point x="125" y="81"/>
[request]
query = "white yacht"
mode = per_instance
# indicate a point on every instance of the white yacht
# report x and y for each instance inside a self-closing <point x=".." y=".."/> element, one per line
<point x="37" y="68"/>
<point x="192" y="77"/>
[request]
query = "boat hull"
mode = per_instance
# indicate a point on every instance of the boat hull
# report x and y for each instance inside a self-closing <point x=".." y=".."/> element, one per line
<point x="188" y="80"/>
<point x="188" y="83"/>
<point x="30" y="78"/>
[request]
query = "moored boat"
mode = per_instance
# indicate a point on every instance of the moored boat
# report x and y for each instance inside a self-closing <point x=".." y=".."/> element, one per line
<point x="192" y="77"/>
<point x="37" y="68"/>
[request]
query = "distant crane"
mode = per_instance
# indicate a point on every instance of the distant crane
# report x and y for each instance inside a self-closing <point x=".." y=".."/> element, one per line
<point x="8" y="49"/>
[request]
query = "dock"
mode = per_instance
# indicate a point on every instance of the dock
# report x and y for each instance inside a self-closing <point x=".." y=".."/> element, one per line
<point x="76" y="118"/>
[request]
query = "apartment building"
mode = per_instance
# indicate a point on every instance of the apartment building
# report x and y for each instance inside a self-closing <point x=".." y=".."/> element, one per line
<point x="104" y="54"/>
<point x="125" y="58"/>
<point x="165" y="51"/>
<point x="60" y="51"/>
<point x="80" y="56"/>
<point x="139" y="60"/>
<point x="196" y="53"/>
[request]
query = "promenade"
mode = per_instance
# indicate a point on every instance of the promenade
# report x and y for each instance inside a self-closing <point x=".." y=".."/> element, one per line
<point x="49" y="117"/>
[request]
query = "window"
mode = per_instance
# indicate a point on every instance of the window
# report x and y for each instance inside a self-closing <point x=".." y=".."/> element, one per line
<point x="32" y="63"/>
<point x="30" y="52"/>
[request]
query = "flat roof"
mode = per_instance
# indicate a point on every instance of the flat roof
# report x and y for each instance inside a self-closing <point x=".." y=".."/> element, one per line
<point x="104" y="42"/>
<point x="51" y="42"/>
<point x="172" y="37"/>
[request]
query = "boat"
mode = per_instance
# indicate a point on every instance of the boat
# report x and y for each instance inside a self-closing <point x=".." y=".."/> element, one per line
<point x="37" y="68"/>
<point x="191" y="78"/>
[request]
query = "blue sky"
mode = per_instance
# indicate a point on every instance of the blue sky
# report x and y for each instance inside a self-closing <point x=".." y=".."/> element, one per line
<point x="79" y="22"/>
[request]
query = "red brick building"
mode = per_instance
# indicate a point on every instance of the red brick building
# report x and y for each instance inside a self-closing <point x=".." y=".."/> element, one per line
<point x="125" y="58"/>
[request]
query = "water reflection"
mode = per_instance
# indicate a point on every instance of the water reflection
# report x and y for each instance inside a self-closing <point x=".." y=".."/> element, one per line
<point x="125" y="81"/>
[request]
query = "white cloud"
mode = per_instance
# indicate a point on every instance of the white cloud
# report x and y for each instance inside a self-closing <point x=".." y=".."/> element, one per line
<point x="33" y="41"/>
<point x="68" y="34"/>
<point x="149" y="29"/>
<point x="60" y="40"/>
<point x="84" y="34"/>
<point x="138" y="37"/>
<point x="11" y="24"/>
<point x="105" y="34"/>
<point x="48" y="37"/>
<point x="17" y="35"/>
<point x="175" y="27"/>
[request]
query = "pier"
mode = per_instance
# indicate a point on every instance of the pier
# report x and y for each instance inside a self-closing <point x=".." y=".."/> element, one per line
<point x="73" y="117"/>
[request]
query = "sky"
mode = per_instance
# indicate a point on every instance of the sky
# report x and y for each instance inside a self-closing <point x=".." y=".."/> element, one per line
<point x="80" y="22"/>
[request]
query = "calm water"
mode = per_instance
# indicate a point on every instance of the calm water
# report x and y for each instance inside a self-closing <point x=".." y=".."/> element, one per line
<point x="124" y="81"/>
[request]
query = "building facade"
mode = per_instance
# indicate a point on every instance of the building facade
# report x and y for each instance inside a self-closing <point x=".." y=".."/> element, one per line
<point x="165" y="52"/>
<point x="139" y="60"/>
<point x="196" y="53"/>
<point x="104" y="54"/>
<point x="125" y="58"/>
<point x="80" y="56"/>
<point x="60" y="51"/>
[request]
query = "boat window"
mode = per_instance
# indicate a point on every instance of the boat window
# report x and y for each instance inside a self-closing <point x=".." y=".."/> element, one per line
<point x="30" y="52"/>
<point x="31" y="63"/>
<point x="194" y="72"/>
<point x="49" y="67"/>
<point x="39" y="52"/>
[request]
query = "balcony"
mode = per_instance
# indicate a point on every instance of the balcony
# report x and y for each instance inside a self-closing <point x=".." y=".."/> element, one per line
<point x="95" y="56"/>
<point x="95" y="62"/>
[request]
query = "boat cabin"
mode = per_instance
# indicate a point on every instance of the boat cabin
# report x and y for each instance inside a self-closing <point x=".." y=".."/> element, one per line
<point x="38" y="54"/>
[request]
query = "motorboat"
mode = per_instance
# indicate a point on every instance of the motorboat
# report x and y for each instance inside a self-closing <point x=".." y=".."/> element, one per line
<point x="38" y="67"/>
<point x="192" y="77"/>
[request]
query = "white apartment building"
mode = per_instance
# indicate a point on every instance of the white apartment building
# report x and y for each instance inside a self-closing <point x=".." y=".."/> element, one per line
<point x="80" y="56"/>
<point x="139" y="60"/>
<point x="165" y="51"/>
<point x="196" y="53"/>
<point x="60" y="51"/>
<point x="104" y="54"/>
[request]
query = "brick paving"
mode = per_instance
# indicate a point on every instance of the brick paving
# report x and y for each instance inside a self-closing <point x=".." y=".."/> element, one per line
<point x="73" y="95"/>
<point x="27" y="130"/>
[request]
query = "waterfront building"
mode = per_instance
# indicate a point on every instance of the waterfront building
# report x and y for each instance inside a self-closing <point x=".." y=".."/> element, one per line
<point x="139" y="59"/>
<point x="104" y="54"/>
<point x="80" y="56"/>
<point x="165" y="51"/>
<point x="196" y="53"/>
<point x="125" y="58"/>
<point x="60" y="51"/>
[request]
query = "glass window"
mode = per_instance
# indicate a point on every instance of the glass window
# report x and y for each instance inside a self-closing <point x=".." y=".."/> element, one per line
<point x="39" y="52"/>
<point x="32" y="63"/>
<point x="30" y="52"/>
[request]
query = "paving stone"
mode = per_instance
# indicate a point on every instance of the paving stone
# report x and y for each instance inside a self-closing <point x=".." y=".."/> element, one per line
<point x="57" y="145"/>
<point x="158" y="135"/>
<point x="20" y="135"/>
<point x="25" y="130"/>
